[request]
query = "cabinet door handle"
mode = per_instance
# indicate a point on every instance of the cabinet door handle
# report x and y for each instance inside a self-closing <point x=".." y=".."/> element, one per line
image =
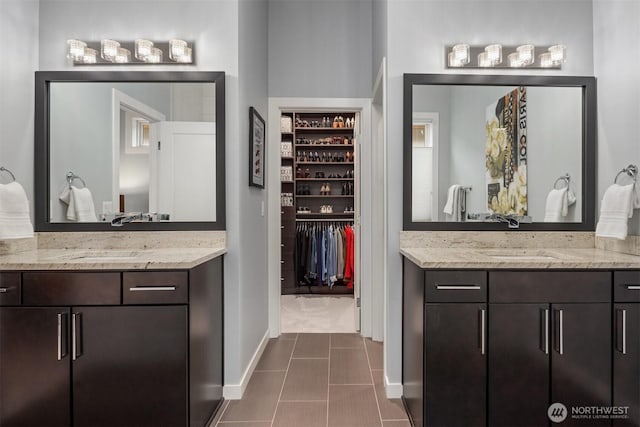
<point x="483" y="328"/>
<point x="152" y="288"/>
<point x="559" y="321"/>
<point x="621" y="334"/>
<point x="456" y="287"/>
<point x="62" y="335"/>
<point x="76" y="335"/>
<point x="633" y="287"/>
<point x="545" y="330"/>
<point x="4" y="290"/>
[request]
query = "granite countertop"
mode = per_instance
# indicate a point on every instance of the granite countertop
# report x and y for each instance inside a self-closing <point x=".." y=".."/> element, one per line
<point x="109" y="259"/>
<point x="516" y="258"/>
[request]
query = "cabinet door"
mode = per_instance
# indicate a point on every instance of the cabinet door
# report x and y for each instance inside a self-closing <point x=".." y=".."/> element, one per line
<point x="455" y="364"/>
<point x="130" y="366"/>
<point x="519" y="346"/>
<point x="626" y="362"/>
<point x="34" y="367"/>
<point x="581" y="358"/>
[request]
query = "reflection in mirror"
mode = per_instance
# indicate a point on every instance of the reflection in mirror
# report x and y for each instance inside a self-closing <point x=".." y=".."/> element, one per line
<point x="145" y="147"/>
<point x="478" y="151"/>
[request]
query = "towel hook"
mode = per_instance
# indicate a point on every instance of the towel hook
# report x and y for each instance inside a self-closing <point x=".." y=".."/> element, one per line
<point x="72" y="177"/>
<point x="631" y="171"/>
<point x="566" y="178"/>
<point x="3" y="169"/>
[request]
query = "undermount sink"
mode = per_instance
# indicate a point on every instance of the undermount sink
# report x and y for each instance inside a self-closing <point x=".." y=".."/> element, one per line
<point x="523" y="257"/>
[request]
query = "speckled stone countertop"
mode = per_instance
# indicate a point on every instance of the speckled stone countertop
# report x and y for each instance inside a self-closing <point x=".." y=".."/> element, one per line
<point x="98" y="259"/>
<point x="516" y="258"/>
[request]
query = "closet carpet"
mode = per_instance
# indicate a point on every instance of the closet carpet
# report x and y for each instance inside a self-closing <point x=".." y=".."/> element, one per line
<point x="316" y="380"/>
<point x="313" y="313"/>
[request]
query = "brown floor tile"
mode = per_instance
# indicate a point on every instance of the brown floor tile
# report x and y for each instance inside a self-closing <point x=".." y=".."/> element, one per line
<point x="346" y="341"/>
<point x="349" y="366"/>
<point x="312" y="345"/>
<point x="374" y="348"/>
<point x="260" y="398"/>
<point x="298" y="414"/>
<point x="396" y="423"/>
<point x="353" y="406"/>
<point x="307" y="379"/>
<point x="390" y="409"/>
<point x="276" y="355"/>
<point x="245" y="424"/>
<point x="289" y="336"/>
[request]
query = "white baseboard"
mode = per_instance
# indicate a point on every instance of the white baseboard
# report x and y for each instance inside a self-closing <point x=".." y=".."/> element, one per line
<point x="393" y="390"/>
<point x="235" y="391"/>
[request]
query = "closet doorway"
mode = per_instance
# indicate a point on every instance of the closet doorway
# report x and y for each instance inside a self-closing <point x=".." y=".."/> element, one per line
<point x="318" y="153"/>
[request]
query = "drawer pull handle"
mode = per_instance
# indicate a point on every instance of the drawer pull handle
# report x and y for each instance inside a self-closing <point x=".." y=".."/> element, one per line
<point x="76" y="332"/>
<point x="4" y="290"/>
<point x="457" y="287"/>
<point x="545" y="330"/>
<point x="633" y="287"/>
<point x="621" y="334"/>
<point x="62" y="329"/>
<point x="152" y="288"/>
<point x="559" y="316"/>
<point x="483" y="327"/>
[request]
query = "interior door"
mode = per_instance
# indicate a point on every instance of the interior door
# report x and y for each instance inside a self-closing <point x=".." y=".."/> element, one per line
<point x="34" y="367"/>
<point x="357" y="202"/>
<point x="128" y="358"/>
<point x="519" y="347"/>
<point x="183" y="173"/>
<point x="626" y="362"/>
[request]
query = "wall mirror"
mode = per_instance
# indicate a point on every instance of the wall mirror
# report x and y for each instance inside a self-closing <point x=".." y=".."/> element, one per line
<point x="113" y="144"/>
<point x="480" y="150"/>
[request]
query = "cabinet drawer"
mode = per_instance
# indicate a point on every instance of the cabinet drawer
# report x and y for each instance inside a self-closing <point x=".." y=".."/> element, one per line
<point x="549" y="286"/>
<point x="9" y="288"/>
<point x="64" y="288"/>
<point x="626" y="286"/>
<point x="455" y="286"/>
<point x="145" y="287"/>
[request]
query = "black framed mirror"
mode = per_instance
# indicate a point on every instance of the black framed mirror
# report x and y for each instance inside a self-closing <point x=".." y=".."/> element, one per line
<point x="147" y="146"/>
<point x="480" y="150"/>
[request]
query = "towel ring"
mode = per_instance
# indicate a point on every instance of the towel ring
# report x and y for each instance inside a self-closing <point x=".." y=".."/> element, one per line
<point x="631" y="171"/>
<point x="3" y="169"/>
<point x="565" y="178"/>
<point x="72" y="177"/>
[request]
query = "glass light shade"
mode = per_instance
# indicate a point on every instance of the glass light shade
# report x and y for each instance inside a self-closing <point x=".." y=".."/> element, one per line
<point x="545" y="60"/>
<point x="493" y="53"/>
<point x="123" y="56"/>
<point x="558" y="54"/>
<point x="143" y="48"/>
<point x="109" y="49"/>
<point x="451" y="59"/>
<point x="484" y="60"/>
<point x="186" y="58"/>
<point x="75" y="49"/>
<point x="526" y="53"/>
<point x="155" y="56"/>
<point x="514" y="60"/>
<point x="461" y="53"/>
<point x="177" y="49"/>
<point x="90" y="56"/>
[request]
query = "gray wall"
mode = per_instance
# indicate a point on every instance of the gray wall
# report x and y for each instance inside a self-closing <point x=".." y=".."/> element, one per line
<point x="214" y="26"/>
<point x="417" y="32"/>
<point x="320" y="48"/>
<point x="617" y="67"/>
<point x="379" y="37"/>
<point x="19" y="36"/>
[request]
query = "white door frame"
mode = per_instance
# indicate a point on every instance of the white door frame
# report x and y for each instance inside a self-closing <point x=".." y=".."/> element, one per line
<point x="433" y="118"/>
<point x="276" y="105"/>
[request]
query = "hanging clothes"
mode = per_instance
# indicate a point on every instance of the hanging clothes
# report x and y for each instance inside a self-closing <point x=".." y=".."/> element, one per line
<point x="349" y="257"/>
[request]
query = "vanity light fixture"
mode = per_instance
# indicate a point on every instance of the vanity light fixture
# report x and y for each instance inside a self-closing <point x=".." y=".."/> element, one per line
<point x="138" y="52"/>
<point x="491" y="56"/>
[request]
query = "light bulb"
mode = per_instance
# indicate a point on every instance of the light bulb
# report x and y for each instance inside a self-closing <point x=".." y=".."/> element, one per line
<point x="526" y="54"/>
<point x="155" y="56"/>
<point x="177" y="49"/>
<point x="545" y="60"/>
<point x="90" y="56"/>
<point x="483" y="60"/>
<point x="123" y="56"/>
<point x="75" y="49"/>
<point x="109" y="49"/>
<point x="461" y="53"/>
<point x="143" y="49"/>
<point x="494" y="53"/>
<point x="514" y="60"/>
<point x="558" y="54"/>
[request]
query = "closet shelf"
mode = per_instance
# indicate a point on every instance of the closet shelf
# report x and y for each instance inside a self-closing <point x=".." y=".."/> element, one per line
<point x="329" y="195"/>
<point x="324" y="179"/>
<point x="343" y="129"/>
<point x="301" y="146"/>
<point x="324" y="163"/>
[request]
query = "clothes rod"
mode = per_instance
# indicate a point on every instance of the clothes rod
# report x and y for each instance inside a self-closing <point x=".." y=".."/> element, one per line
<point x="323" y="220"/>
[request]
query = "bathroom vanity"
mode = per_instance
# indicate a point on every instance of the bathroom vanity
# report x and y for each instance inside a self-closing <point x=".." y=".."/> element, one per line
<point x="111" y="337"/>
<point x="494" y="336"/>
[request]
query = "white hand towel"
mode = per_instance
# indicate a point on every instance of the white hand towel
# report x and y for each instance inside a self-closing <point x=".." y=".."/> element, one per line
<point x="15" y="222"/>
<point x="556" y="206"/>
<point x="81" y="207"/>
<point x="615" y="210"/>
<point x="453" y="205"/>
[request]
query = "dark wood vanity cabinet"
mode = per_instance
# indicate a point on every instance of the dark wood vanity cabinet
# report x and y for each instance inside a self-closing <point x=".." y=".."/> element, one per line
<point x="498" y="347"/>
<point x="142" y="349"/>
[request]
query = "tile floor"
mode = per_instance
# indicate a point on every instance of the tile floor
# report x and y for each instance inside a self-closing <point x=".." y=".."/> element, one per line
<point x="316" y="380"/>
<point x="315" y="313"/>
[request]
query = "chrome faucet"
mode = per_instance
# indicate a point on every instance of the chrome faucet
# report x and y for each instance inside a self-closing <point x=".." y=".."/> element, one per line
<point x="119" y="221"/>
<point x="513" y="221"/>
